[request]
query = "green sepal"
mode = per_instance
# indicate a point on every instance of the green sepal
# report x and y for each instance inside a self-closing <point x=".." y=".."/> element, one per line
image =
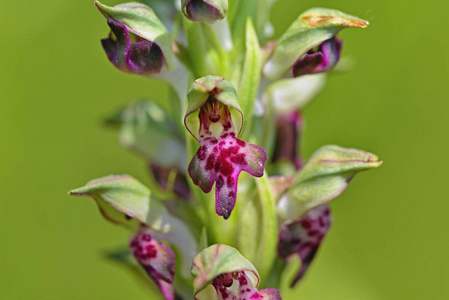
<point x="199" y="93"/>
<point x="124" y="200"/>
<point x="324" y="177"/>
<point x="219" y="259"/>
<point x="142" y="21"/>
<point x="310" y="29"/>
<point x="249" y="83"/>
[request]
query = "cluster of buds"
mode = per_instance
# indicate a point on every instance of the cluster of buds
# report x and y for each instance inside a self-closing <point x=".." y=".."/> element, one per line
<point x="235" y="106"/>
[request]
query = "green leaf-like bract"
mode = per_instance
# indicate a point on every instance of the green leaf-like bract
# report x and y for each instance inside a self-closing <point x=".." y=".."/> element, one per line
<point x="324" y="177"/>
<point x="124" y="200"/>
<point x="311" y="28"/>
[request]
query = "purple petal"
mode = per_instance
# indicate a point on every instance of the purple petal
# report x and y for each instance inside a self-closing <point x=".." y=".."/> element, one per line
<point x="304" y="237"/>
<point x="221" y="160"/>
<point x="237" y="286"/>
<point x="157" y="259"/>
<point x="288" y="137"/>
<point x="141" y="57"/>
<point x="324" y="59"/>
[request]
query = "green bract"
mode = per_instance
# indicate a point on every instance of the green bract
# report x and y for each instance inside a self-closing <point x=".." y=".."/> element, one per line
<point x="124" y="200"/>
<point x="324" y="177"/>
<point x="310" y="29"/>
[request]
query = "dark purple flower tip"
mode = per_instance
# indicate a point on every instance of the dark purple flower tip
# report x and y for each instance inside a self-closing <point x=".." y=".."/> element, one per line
<point x="137" y="57"/>
<point x="320" y="59"/>
<point x="288" y="137"/>
<point x="157" y="259"/>
<point x="203" y="11"/>
<point x="304" y="237"/>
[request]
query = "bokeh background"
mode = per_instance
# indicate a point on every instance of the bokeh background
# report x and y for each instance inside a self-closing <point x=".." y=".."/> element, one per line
<point x="389" y="238"/>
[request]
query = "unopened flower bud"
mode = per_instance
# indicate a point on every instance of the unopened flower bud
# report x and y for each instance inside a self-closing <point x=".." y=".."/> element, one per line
<point x="138" y="42"/>
<point x="205" y="11"/>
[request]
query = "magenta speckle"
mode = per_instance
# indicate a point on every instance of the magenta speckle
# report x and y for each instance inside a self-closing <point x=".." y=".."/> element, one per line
<point x="210" y="162"/>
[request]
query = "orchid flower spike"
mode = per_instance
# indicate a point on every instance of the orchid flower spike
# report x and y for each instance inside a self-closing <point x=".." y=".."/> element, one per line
<point x="215" y="119"/>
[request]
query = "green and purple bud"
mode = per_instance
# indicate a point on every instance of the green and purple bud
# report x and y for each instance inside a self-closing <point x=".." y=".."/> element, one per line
<point x="215" y="119"/>
<point x="138" y="43"/>
<point x="222" y="273"/>
<point x="205" y="11"/>
<point x="315" y="28"/>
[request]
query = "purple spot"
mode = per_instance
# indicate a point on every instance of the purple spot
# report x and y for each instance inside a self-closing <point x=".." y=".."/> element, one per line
<point x="239" y="159"/>
<point x="240" y="142"/>
<point x="210" y="162"/>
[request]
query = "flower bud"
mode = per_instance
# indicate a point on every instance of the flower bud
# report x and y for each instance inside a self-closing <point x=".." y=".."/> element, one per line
<point x="138" y="42"/>
<point x="223" y="273"/>
<point x="310" y="30"/>
<point x="205" y="11"/>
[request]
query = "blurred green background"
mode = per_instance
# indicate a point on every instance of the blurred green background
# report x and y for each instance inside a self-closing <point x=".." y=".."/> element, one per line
<point x="389" y="236"/>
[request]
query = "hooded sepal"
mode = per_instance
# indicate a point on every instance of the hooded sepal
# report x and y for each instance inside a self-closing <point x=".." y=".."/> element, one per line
<point x="223" y="273"/>
<point x="304" y="236"/>
<point x="140" y="43"/>
<point x="312" y="28"/>
<point x="325" y="176"/>
<point x="205" y="11"/>
<point x="157" y="259"/>
<point x="219" y="91"/>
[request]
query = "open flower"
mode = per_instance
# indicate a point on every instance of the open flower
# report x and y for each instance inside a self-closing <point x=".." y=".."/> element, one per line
<point x="223" y="273"/>
<point x="215" y="119"/>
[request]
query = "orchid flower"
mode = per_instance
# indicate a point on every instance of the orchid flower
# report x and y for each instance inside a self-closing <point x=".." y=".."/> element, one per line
<point x="215" y="119"/>
<point x="184" y="244"/>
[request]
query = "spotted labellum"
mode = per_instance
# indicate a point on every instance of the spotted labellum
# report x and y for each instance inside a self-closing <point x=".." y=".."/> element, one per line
<point x="234" y="103"/>
<point x="214" y="117"/>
